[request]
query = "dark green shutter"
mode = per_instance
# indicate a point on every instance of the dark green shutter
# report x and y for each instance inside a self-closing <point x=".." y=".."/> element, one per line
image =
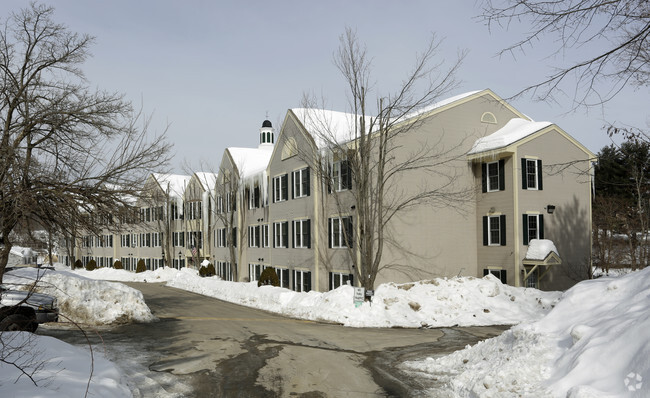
<point x="285" y="182"/>
<point x="329" y="232"/>
<point x="293" y="236"/>
<point x="540" y="226"/>
<point x="306" y="181"/>
<point x="285" y="234"/>
<point x="539" y="174"/>
<point x="307" y="224"/>
<point x="331" y="280"/>
<point x="293" y="187"/>
<point x="306" y="281"/>
<point x="502" y="175"/>
<point x="504" y="278"/>
<point x="350" y="230"/>
<point x="502" y="225"/>
<point x="485" y="231"/>
<point x="524" y="182"/>
<point x="485" y="271"/>
<point x="524" y="223"/>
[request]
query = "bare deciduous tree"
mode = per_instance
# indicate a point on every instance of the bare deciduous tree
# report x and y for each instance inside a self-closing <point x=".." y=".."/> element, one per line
<point x="614" y="35"/>
<point x="65" y="148"/>
<point x="374" y="153"/>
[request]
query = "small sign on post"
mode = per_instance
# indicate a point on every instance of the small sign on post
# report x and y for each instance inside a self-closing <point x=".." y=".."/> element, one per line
<point x="358" y="296"/>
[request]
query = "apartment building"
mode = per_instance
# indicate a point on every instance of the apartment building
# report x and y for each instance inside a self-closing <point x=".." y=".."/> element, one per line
<point x="289" y="203"/>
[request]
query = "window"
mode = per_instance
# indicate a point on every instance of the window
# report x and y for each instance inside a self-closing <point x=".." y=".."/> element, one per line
<point x="221" y="237"/>
<point x="533" y="279"/>
<point x="494" y="230"/>
<point x="253" y="197"/>
<point x="499" y="273"/>
<point x="493" y="176"/>
<point x="280" y="189"/>
<point x="266" y="236"/>
<point x="281" y="234"/>
<point x="283" y="275"/>
<point x="254" y="272"/>
<point x="340" y="232"/>
<point x="302" y="234"/>
<point x="533" y="227"/>
<point x="338" y="279"/>
<point x="254" y="236"/>
<point x="531" y="174"/>
<point x="341" y="175"/>
<point x="301" y="281"/>
<point x="300" y="182"/>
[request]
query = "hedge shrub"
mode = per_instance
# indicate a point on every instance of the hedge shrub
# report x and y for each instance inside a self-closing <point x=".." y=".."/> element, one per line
<point x="207" y="271"/>
<point x="140" y="267"/>
<point x="118" y="265"/>
<point x="91" y="266"/>
<point x="77" y="264"/>
<point x="269" y="277"/>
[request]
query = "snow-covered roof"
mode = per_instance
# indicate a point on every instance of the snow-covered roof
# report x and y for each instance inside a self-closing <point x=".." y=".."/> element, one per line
<point x="208" y="179"/>
<point x="439" y="104"/>
<point x="539" y="249"/>
<point x="328" y="127"/>
<point x="22" y="251"/>
<point x="176" y="183"/>
<point x="515" y="130"/>
<point x="251" y="161"/>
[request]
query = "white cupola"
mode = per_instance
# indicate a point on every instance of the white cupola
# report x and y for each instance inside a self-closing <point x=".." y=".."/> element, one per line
<point x="266" y="133"/>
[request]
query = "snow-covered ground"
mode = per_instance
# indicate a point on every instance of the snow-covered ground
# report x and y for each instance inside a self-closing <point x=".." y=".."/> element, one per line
<point x="58" y="369"/>
<point x="594" y="343"/>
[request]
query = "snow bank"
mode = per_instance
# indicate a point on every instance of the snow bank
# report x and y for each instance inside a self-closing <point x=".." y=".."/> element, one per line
<point x="594" y="343"/>
<point x="64" y="369"/>
<point x="464" y="301"/>
<point x="440" y="302"/>
<point x="83" y="300"/>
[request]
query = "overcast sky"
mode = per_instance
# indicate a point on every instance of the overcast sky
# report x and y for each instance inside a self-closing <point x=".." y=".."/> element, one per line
<point x="213" y="70"/>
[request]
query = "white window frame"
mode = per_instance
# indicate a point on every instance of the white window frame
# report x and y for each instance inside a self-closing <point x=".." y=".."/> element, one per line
<point x="299" y="235"/>
<point x="277" y="188"/>
<point x="536" y="218"/>
<point x="492" y="187"/>
<point x="337" y="180"/>
<point x="278" y="234"/>
<point x="299" y="190"/>
<point x="491" y="219"/>
<point x="266" y="235"/>
<point x="341" y="242"/>
<point x="534" y="176"/>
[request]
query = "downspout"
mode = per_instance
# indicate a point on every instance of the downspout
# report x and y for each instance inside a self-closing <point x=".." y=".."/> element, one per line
<point x="517" y="234"/>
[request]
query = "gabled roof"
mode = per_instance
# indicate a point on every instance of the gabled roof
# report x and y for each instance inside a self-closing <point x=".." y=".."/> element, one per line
<point x="516" y="132"/>
<point x="543" y="252"/>
<point x="176" y="183"/>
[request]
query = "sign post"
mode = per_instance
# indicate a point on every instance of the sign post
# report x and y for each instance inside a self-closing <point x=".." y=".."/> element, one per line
<point x="359" y="294"/>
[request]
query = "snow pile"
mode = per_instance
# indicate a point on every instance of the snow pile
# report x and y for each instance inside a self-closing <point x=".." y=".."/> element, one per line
<point x="594" y="343"/>
<point x="83" y="300"/>
<point x="64" y="369"/>
<point x="440" y="302"/>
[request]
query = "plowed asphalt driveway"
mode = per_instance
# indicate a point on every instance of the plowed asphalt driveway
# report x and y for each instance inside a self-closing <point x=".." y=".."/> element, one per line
<point x="203" y="347"/>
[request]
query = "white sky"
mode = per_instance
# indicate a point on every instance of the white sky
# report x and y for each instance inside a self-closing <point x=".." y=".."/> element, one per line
<point x="214" y="69"/>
